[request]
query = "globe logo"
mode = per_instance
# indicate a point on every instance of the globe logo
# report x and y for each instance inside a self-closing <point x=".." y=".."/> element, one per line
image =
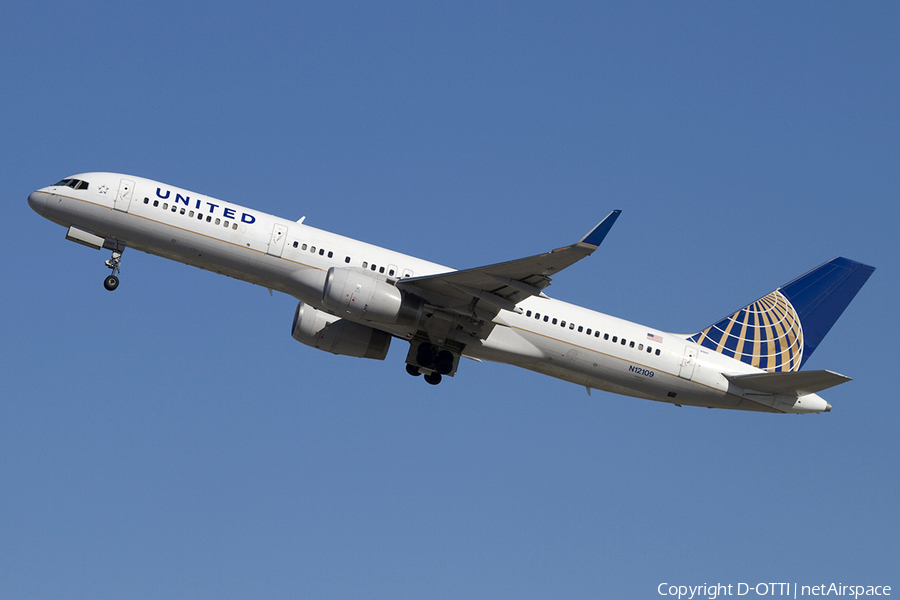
<point x="766" y="334"/>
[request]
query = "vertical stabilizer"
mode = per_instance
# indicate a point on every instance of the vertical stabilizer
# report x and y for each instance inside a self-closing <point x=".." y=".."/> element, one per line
<point x="780" y="331"/>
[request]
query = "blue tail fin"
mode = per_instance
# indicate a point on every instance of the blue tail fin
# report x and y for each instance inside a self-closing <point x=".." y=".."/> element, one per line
<point x="780" y="331"/>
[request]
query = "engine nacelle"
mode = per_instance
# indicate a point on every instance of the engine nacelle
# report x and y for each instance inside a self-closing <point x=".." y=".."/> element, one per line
<point x="361" y="296"/>
<point x="338" y="336"/>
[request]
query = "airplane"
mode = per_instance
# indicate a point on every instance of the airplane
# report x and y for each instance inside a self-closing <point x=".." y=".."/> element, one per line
<point x="355" y="298"/>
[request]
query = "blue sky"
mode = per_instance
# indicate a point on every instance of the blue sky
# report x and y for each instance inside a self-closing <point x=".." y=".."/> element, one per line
<point x="172" y="440"/>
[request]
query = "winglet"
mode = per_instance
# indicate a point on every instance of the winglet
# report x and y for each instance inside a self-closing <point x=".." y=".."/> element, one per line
<point x="598" y="233"/>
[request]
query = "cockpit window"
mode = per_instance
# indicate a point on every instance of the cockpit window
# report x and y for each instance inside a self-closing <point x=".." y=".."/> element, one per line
<point x="75" y="184"/>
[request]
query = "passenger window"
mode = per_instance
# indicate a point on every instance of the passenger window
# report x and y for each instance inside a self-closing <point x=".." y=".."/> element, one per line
<point x="312" y="249"/>
<point x="218" y="220"/>
<point x="580" y="328"/>
<point x="365" y="265"/>
<point x="537" y="316"/>
<point x="572" y="326"/>
<point x="208" y="219"/>
<point x="649" y="349"/>
<point x="321" y="251"/>
<point x="226" y="224"/>
<point x="303" y="247"/>
<point x="381" y="269"/>
<point x="373" y="267"/>
<point x="182" y="211"/>
<point x="174" y="208"/>
<point x="640" y="346"/>
<point x="330" y="254"/>
<point x="563" y="324"/>
<point x="166" y="206"/>
<point x="234" y="226"/>
<point x="190" y="215"/>
<point x="347" y="259"/>
<point x="596" y="334"/>
<point x="631" y="345"/>
<point x="391" y="272"/>
<point x="527" y="313"/>
<point x="200" y="216"/>
<point x="155" y="203"/>
<point x="146" y="200"/>
<point x="623" y="341"/>
<point x="546" y="318"/>
<point x="615" y="339"/>
<point x="657" y="351"/>
<point x="296" y="244"/>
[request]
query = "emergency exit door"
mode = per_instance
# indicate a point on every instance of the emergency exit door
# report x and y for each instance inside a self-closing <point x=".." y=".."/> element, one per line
<point x="123" y="196"/>
<point x="688" y="362"/>
<point x="276" y="242"/>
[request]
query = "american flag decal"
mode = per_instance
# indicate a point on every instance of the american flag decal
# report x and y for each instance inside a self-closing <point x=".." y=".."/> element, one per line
<point x="654" y="338"/>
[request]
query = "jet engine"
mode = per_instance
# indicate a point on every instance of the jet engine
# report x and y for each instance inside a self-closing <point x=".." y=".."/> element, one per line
<point x="338" y="336"/>
<point x="357" y="294"/>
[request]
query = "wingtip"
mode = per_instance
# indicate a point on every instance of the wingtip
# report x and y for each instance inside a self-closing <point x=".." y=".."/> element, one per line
<point x="598" y="233"/>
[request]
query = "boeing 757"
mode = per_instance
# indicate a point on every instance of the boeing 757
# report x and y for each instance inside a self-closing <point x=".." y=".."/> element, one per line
<point x="355" y="298"/>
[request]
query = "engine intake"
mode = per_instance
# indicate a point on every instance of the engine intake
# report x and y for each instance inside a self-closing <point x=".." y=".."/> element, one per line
<point x="360" y="296"/>
<point x="338" y="336"/>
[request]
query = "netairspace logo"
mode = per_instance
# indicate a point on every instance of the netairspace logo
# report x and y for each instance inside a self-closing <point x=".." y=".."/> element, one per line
<point x="793" y="590"/>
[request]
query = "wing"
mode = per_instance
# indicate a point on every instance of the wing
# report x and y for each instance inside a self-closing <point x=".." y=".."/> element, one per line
<point x="462" y="304"/>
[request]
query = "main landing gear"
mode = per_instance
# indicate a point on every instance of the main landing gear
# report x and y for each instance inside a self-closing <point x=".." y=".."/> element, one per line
<point x="112" y="281"/>
<point x="434" y="361"/>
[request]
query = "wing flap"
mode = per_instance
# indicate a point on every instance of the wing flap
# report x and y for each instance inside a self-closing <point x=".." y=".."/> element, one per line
<point x="789" y="383"/>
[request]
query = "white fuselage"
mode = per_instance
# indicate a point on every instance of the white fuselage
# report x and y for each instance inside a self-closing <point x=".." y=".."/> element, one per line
<point x="565" y="341"/>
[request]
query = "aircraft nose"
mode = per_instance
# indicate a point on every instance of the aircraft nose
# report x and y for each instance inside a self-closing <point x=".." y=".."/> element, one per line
<point x="38" y="201"/>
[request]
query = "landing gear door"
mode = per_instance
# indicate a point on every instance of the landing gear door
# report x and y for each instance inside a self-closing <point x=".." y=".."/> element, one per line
<point x="276" y="242"/>
<point x="688" y="361"/>
<point x="123" y="196"/>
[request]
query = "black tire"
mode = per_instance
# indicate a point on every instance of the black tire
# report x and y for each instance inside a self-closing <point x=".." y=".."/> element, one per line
<point x="433" y="378"/>
<point x="443" y="364"/>
<point x="425" y="355"/>
<point x="111" y="282"/>
<point x="413" y="370"/>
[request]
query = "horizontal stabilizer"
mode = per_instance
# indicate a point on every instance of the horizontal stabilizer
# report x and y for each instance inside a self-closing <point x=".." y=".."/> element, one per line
<point x="789" y="383"/>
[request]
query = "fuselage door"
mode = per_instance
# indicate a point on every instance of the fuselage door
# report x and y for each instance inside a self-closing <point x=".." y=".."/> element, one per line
<point x="688" y="361"/>
<point x="123" y="196"/>
<point x="276" y="242"/>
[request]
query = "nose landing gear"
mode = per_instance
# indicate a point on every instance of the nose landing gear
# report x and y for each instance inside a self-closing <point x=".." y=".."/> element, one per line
<point x="112" y="281"/>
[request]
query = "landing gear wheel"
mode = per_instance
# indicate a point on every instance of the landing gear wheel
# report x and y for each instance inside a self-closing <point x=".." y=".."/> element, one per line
<point x="433" y="378"/>
<point x="413" y="370"/>
<point x="113" y="264"/>
<point x="443" y="364"/>
<point x="426" y="354"/>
